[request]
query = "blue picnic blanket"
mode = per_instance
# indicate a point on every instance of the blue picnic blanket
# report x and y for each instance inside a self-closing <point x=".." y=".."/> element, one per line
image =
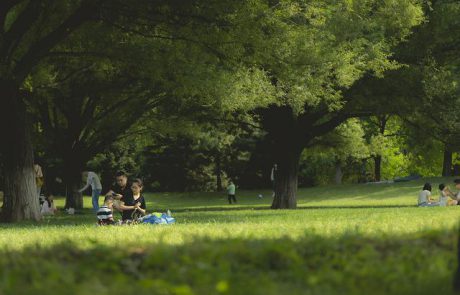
<point x="157" y="218"/>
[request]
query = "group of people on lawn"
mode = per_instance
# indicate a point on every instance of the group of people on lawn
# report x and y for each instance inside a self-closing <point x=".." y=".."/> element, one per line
<point x="124" y="196"/>
<point x="446" y="196"/>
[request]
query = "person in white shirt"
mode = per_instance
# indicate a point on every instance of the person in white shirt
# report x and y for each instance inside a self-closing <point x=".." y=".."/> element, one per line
<point x="96" y="187"/>
<point x="424" y="198"/>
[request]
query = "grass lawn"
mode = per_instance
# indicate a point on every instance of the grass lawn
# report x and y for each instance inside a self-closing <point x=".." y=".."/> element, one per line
<point x="350" y="239"/>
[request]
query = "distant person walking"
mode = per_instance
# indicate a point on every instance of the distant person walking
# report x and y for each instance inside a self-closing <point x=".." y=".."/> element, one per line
<point x="273" y="177"/>
<point x="231" y="191"/>
<point x="93" y="180"/>
<point x="39" y="179"/>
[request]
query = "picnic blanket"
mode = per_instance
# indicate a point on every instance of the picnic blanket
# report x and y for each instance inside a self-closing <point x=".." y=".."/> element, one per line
<point x="157" y="218"/>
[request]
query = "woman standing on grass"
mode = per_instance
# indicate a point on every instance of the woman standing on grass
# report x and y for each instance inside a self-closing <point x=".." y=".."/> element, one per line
<point x="135" y="203"/>
<point x="92" y="180"/>
<point x="39" y="179"/>
<point x="424" y="198"/>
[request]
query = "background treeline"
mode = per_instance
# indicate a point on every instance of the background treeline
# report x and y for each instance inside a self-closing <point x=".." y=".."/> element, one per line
<point x="193" y="157"/>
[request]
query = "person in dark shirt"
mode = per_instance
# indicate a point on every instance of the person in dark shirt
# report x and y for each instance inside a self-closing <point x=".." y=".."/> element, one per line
<point x="133" y="206"/>
<point x="121" y="187"/>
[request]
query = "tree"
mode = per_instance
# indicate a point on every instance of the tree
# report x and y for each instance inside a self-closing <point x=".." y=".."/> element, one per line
<point x="435" y="65"/>
<point x="81" y="115"/>
<point x="32" y="31"/>
<point x="317" y="51"/>
<point x="28" y="32"/>
<point x="346" y="143"/>
<point x="436" y="116"/>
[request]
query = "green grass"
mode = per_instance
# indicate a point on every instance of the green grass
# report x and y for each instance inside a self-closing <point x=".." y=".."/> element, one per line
<point x="351" y="239"/>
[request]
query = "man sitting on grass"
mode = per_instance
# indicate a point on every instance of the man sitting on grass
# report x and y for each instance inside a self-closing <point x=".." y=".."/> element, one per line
<point x="104" y="214"/>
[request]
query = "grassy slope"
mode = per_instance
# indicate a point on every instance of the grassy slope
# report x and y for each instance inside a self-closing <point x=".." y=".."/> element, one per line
<point x="351" y="239"/>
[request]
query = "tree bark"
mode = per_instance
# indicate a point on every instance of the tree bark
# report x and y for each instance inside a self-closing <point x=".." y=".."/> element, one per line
<point x="286" y="181"/>
<point x="447" y="163"/>
<point x="382" y="124"/>
<point x="218" y="172"/>
<point x="73" y="181"/>
<point x="378" y="168"/>
<point x="338" y="173"/>
<point x="289" y="134"/>
<point x="20" y="192"/>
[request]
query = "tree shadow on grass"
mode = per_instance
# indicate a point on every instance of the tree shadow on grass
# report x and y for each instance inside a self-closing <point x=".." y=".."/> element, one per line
<point x="311" y="264"/>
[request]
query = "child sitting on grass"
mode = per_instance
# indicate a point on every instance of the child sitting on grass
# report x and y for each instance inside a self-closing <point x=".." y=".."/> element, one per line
<point x="444" y="196"/>
<point x="48" y="207"/>
<point x="105" y="212"/>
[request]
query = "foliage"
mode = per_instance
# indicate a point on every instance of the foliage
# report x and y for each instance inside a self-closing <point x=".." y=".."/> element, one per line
<point x="344" y="147"/>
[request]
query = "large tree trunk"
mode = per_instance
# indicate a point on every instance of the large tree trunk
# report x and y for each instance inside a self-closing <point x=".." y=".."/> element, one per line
<point x="289" y="133"/>
<point x="447" y="163"/>
<point x="73" y="181"/>
<point x="378" y="167"/>
<point x="287" y="142"/>
<point x="286" y="180"/>
<point x="20" y="195"/>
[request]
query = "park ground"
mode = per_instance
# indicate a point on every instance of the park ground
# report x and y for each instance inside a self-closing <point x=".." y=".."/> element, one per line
<point x="349" y="239"/>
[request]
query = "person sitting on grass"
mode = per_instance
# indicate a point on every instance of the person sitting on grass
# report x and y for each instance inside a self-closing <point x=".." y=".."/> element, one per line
<point x="48" y="207"/>
<point x="105" y="212"/>
<point x="445" y="195"/>
<point x="457" y="195"/>
<point x="425" y="199"/>
<point x="121" y="188"/>
<point x="133" y="205"/>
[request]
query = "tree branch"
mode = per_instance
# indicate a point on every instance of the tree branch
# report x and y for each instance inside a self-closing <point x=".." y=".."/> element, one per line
<point x="5" y="7"/>
<point x="19" y="28"/>
<point x="39" y="49"/>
